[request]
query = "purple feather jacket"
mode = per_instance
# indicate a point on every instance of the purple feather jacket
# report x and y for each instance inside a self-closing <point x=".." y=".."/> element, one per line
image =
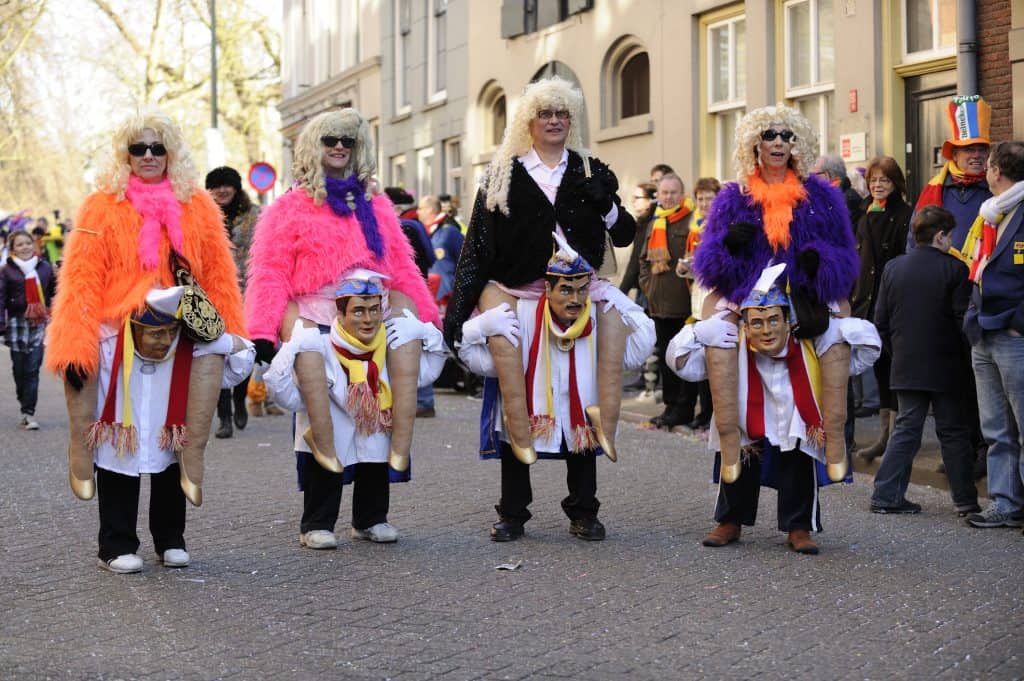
<point x="820" y="223"/>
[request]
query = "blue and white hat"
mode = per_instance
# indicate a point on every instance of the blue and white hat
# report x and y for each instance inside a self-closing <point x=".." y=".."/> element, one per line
<point x="163" y="307"/>
<point x="566" y="262"/>
<point x="767" y="292"/>
<point x="361" y="282"/>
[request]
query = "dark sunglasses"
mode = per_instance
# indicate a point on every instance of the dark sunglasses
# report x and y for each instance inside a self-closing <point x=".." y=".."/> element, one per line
<point x="786" y="135"/>
<point x="139" y="149"/>
<point x="332" y="141"/>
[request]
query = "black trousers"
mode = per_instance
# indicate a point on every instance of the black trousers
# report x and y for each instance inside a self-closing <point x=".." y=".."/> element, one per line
<point x="321" y="496"/>
<point x="517" y="493"/>
<point x="229" y="395"/>
<point x="798" y="510"/>
<point x="665" y="329"/>
<point x="119" y="511"/>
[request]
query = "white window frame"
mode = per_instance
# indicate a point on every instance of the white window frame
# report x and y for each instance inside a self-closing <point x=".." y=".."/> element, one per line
<point x="345" y="39"/>
<point x="723" y="140"/>
<point x="424" y="172"/>
<point x="398" y="177"/>
<point x="924" y="55"/>
<point x="402" y="106"/>
<point x="437" y="12"/>
<point x="453" y="170"/>
<point x="821" y="126"/>
<point x="733" y="101"/>
<point x="815" y="86"/>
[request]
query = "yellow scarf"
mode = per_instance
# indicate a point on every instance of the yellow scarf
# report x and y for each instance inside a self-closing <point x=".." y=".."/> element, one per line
<point x="371" y="412"/>
<point x="657" y="243"/>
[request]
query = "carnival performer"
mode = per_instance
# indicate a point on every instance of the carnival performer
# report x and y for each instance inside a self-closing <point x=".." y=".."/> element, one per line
<point x="776" y="211"/>
<point x="782" y="417"/>
<point x="330" y="222"/>
<point x="144" y="383"/>
<point x="149" y="207"/>
<point x="361" y="404"/>
<point x="541" y="181"/>
<point x="557" y="339"/>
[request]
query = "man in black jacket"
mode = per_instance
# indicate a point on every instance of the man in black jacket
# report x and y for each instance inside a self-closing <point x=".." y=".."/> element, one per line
<point x="538" y="183"/>
<point x="919" y="314"/>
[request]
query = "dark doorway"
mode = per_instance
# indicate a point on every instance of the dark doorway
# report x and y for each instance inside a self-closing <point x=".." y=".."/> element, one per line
<point x="927" y="126"/>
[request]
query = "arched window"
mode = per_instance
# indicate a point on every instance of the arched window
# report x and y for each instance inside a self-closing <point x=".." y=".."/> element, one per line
<point x="625" y="81"/>
<point x="491" y="108"/>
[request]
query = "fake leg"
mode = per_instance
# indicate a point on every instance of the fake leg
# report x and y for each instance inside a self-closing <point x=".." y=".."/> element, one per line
<point x="81" y="414"/>
<point x="723" y="378"/>
<point x="311" y="377"/>
<point x="835" y="372"/>
<point x="403" y="372"/>
<point x="203" y="392"/>
<point x="508" y="363"/>
<point x="612" y="334"/>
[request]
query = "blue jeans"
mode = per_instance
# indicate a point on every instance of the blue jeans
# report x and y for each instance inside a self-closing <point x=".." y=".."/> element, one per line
<point x="26" y="377"/>
<point x="954" y="439"/>
<point x="425" y="397"/>
<point x="998" y="361"/>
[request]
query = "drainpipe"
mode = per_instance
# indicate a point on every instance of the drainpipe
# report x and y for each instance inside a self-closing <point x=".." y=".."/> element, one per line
<point x="967" y="48"/>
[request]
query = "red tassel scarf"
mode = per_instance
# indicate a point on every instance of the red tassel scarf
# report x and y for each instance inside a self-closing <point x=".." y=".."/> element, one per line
<point x="803" y="395"/>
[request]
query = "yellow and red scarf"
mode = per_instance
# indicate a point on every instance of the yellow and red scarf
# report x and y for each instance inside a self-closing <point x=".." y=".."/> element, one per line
<point x="35" y="311"/>
<point x="657" y="242"/>
<point x="542" y="422"/>
<point x="804" y="378"/>
<point x="123" y="434"/>
<point x="931" y="195"/>
<point x="369" y="395"/>
<point x="777" y="201"/>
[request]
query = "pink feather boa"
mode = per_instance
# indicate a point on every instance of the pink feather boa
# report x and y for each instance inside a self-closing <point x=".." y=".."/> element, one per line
<point x="299" y="247"/>
<point x="157" y="205"/>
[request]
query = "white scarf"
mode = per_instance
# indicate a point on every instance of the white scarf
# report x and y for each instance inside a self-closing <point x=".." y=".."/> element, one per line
<point x="993" y="208"/>
<point x="27" y="267"/>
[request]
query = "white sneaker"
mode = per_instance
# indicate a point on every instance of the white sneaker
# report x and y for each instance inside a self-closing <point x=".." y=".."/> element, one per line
<point x="29" y="423"/>
<point x="382" y="533"/>
<point x="123" y="565"/>
<point x="318" y="539"/>
<point x="176" y="558"/>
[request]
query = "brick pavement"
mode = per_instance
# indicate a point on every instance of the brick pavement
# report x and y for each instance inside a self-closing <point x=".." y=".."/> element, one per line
<point x="890" y="597"/>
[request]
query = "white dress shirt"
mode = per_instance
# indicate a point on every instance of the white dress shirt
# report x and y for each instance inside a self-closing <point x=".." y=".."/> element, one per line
<point x="549" y="179"/>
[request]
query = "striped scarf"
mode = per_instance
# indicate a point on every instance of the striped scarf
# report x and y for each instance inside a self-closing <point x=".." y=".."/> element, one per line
<point x="369" y="395"/>
<point x="981" y="239"/>
<point x="657" y="242"/>
<point x="931" y="195"/>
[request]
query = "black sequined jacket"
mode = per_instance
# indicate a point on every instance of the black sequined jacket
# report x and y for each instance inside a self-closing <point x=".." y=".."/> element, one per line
<point x="514" y="249"/>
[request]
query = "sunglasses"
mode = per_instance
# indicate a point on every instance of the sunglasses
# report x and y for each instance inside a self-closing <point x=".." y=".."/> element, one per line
<point x="548" y="114"/>
<point x="770" y="135"/>
<point x="139" y="149"/>
<point x="332" y="141"/>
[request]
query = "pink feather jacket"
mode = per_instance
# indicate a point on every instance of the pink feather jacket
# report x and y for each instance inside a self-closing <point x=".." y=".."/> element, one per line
<point x="299" y="247"/>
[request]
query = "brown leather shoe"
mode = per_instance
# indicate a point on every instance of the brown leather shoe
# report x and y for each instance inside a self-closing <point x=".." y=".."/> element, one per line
<point x="723" y="534"/>
<point x="801" y="542"/>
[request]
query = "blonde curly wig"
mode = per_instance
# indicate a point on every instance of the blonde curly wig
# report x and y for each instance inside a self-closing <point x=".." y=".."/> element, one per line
<point x="549" y="93"/>
<point x="181" y="171"/>
<point x="748" y="137"/>
<point x="308" y="169"/>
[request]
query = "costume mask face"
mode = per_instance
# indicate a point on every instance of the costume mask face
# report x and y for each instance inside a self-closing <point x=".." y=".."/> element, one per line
<point x="767" y="329"/>
<point x="567" y="298"/>
<point x="153" y="342"/>
<point x="362" y="317"/>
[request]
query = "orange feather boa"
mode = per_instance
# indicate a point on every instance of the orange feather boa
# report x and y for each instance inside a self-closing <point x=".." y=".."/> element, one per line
<point x="777" y="202"/>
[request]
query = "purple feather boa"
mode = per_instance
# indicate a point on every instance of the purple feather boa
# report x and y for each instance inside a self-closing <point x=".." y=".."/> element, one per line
<point x="821" y="223"/>
<point x="340" y="193"/>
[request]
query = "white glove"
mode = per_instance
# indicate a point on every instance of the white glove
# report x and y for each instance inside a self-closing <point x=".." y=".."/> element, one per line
<point x="500" y="321"/>
<point x="405" y="329"/>
<point x="716" y="331"/>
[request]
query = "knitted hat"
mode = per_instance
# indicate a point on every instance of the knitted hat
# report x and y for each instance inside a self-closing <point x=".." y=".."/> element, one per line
<point x="224" y="176"/>
<point x="969" y="118"/>
<point x="399" y="196"/>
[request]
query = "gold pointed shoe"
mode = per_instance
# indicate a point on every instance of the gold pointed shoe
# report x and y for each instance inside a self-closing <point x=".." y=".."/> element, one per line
<point x="83" y="489"/>
<point x="527" y="455"/>
<point x="730" y="462"/>
<point x="730" y="472"/>
<point x="594" y="414"/>
<point x="397" y="461"/>
<point x="193" y="492"/>
<point x="836" y="471"/>
<point x="328" y="463"/>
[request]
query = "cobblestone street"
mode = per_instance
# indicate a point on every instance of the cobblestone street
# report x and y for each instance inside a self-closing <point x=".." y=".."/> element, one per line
<point x="890" y="597"/>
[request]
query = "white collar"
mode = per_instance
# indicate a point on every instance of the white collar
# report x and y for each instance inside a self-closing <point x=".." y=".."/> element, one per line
<point x="531" y="160"/>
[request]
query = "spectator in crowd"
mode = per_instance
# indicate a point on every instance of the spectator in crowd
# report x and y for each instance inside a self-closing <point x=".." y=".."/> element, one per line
<point x="832" y="169"/>
<point x="446" y="239"/>
<point x="240" y="216"/>
<point x="704" y="193"/>
<point x="27" y="285"/>
<point x="642" y="205"/>
<point x="450" y="205"/>
<point x="405" y="209"/>
<point x="658" y="171"/>
<point x="881" y="236"/>
<point x="668" y="294"/>
<point x="919" y="310"/>
<point x="961" y="185"/>
<point x="995" y="327"/>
